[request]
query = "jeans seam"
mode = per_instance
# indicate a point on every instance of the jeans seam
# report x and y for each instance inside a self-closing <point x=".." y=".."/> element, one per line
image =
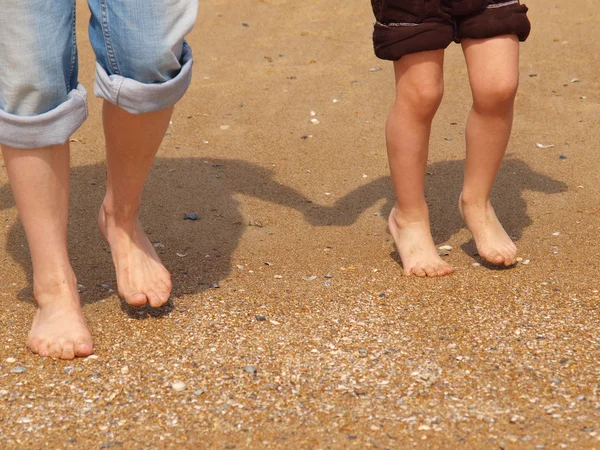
<point x="74" y="49"/>
<point x="110" y="53"/>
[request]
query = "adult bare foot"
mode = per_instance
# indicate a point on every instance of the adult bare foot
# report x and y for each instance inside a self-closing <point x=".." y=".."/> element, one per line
<point x="59" y="329"/>
<point x="416" y="247"/>
<point x="493" y="244"/>
<point x="141" y="277"/>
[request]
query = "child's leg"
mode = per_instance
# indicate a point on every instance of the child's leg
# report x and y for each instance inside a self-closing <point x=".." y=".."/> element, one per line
<point x="40" y="183"/>
<point x="131" y="143"/>
<point x="493" y="66"/>
<point x="419" y="90"/>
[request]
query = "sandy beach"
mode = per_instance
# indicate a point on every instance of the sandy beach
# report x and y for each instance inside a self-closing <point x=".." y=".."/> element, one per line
<point x="291" y="324"/>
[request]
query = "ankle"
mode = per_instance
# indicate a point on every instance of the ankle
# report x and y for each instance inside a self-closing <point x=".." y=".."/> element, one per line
<point x="120" y="214"/>
<point x="474" y="200"/>
<point x="55" y="284"/>
<point x="407" y="216"/>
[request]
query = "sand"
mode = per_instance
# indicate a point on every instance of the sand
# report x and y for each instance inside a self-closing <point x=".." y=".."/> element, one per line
<point x="252" y="352"/>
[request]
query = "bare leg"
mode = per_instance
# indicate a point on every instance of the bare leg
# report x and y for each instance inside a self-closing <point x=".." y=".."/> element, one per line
<point x="131" y="144"/>
<point x="419" y="90"/>
<point x="40" y="182"/>
<point x="493" y="66"/>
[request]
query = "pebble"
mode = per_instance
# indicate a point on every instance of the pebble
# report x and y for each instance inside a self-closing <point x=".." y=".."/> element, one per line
<point x="178" y="386"/>
<point x="11" y="360"/>
<point x="312" y="277"/>
<point x="250" y="369"/>
<point x="556" y="233"/>
<point x="19" y="369"/>
<point x="191" y="216"/>
<point x="261" y="318"/>
<point x="476" y="264"/>
<point x="224" y="127"/>
<point x="445" y="247"/>
<point x="362" y="352"/>
<point x="561" y="156"/>
<point x="328" y="275"/>
<point x="526" y="262"/>
<point x="315" y="121"/>
<point x="279" y="277"/>
<point x="239" y="266"/>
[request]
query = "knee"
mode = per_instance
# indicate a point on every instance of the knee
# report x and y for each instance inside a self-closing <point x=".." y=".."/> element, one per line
<point x="495" y="95"/>
<point x="423" y="97"/>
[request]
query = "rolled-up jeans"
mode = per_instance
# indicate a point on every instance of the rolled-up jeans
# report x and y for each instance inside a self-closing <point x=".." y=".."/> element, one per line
<point x="143" y="63"/>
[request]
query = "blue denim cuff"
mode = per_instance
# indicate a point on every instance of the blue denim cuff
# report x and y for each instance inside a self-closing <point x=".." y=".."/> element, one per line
<point x="50" y="128"/>
<point x="138" y="98"/>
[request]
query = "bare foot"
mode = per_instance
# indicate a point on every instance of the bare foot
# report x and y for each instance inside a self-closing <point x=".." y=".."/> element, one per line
<point x="141" y="277"/>
<point x="493" y="244"/>
<point x="59" y="328"/>
<point x="416" y="247"/>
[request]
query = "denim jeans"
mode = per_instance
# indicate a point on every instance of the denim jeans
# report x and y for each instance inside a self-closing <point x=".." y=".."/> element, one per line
<point x="143" y="63"/>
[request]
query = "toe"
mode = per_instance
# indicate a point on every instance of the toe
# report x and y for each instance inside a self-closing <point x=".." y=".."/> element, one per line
<point x="136" y="299"/>
<point x="444" y="270"/>
<point x="83" y="347"/>
<point x="34" y="344"/>
<point x="494" y="258"/>
<point x="419" y="272"/>
<point x="431" y="271"/>
<point x="155" y="299"/>
<point x="55" y="350"/>
<point x="68" y="352"/>
<point x="42" y="348"/>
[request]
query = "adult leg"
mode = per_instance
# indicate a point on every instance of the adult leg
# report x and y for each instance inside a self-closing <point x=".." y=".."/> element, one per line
<point x="40" y="106"/>
<point x="419" y="90"/>
<point x="493" y="66"/>
<point x="40" y="182"/>
<point x="143" y="69"/>
<point x="131" y="143"/>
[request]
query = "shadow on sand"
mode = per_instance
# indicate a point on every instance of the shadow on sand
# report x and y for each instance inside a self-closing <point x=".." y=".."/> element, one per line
<point x="208" y="187"/>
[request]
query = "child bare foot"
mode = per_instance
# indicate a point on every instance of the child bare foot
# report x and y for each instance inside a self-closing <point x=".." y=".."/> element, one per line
<point x="59" y="329"/>
<point x="493" y="244"/>
<point x="416" y="247"/>
<point x="141" y="277"/>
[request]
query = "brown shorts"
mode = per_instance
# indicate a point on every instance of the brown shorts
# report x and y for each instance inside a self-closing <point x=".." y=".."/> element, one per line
<point x="411" y="26"/>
